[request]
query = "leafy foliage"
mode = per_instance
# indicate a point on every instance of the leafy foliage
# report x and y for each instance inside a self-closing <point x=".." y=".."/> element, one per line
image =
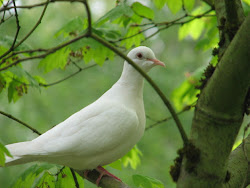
<point x="146" y="182"/>
<point x="142" y="10"/>
<point x="3" y="152"/>
<point x="47" y="175"/>
<point x="186" y="93"/>
<point x="55" y="60"/>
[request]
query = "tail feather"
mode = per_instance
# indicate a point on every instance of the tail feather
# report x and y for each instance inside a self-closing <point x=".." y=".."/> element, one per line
<point x="20" y="153"/>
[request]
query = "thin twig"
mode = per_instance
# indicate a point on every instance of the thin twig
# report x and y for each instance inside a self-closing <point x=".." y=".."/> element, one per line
<point x="48" y="51"/>
<point x="75" y="73"/>
<point x="88" y="15"/>
<point x="16" y="35"/>
<point x="36" y="5"/>
<point x="35" y="26"/>
<point x="75" y="178"/>
<point x="165" y="24"/>
<point x="21" y="122"/>
<point x="168" y="118"/>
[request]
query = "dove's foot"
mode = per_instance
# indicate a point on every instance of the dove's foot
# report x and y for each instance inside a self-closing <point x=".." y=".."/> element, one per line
<point x="104" y="172"/>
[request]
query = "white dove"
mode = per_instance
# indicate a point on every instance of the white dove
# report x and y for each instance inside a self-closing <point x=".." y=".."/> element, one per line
<point x="100" y="133"/>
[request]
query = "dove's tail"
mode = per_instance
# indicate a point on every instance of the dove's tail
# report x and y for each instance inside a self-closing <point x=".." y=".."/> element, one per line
<point x="19" y="153"/>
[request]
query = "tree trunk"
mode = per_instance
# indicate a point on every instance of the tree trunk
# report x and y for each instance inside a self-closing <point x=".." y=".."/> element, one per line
<point x="218" y="117"/>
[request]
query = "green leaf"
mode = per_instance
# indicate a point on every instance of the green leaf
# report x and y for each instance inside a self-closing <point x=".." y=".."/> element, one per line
<point x="113" y="14"/>
<point x="65" y="179"/>
<point x="55" y="60"/>
<point x="159" y="3"/>
<point x="193" y="28"/>
<point x="174" y="5"/>
<point x="3" y="152"/>
<point x="247" y="2"/>
<point x="134" y="37"/>
<point x="142" y="10"/>
<point x="132" y="158"/>
<point x="90" y="48"/>
<point x="12" y="92"/>
<point x="117" y="164"/>
<point x="186" y="93"/>
<point x="146" y="182"/>
<point x="40" y="79"/>
<point x="21" y="73"/>
<point x="75" y="25"/>
<point x="189" y="4"/>
<point x="36" y="175"/>
<point x="46" y="180"/>
<point x="2" y="82"/>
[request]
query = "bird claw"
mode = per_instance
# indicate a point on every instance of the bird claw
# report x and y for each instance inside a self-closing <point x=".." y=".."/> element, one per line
<point x="102" y="172"/>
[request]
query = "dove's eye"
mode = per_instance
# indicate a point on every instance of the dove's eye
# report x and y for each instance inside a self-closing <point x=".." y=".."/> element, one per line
<point x="139" y="55"/>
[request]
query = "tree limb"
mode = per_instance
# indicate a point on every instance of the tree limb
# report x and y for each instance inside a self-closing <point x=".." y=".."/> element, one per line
<point x="219" y="114"/>
<point x="238" y="165"/>
<point x="230" y="16"/>
<point x="21" y="122"/>
<point x="106" y="181"/>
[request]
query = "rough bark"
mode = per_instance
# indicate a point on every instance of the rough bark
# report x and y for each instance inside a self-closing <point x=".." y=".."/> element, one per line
<point x="238" y="165"/>
<point x="230" y="16"/>
<point x="218" y="115"/>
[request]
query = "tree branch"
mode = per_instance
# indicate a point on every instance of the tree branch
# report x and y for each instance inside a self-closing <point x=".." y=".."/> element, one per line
<point x="106" y="181"/>
<point x="166" y="119"/>
<point x="75" y="73"/>
<point x="48" y="51"/>
<point x="230" y="16"/>
<point x="21" y="122"/>
<point x="238" y="165"/>
<point x="218" y="115"/>
<point x="16" y="35"/>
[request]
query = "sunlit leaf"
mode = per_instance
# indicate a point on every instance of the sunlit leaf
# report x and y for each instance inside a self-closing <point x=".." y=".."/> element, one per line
<point x="142" y="10"/>
<point x="115" y="13"/>
<point x="174" y="5"/>
<point x="134" y="37"/>
<point x="247" y="1"/>
<point x="117" y="164"/>
<point x="146" y="182"/>
<point x="29" y="176"/>
<point x="55" y="60"/>
<point x="189" y="4"/>
<point x="65" y="179"/>
<point x="159" y="3"/>
<point x="132" y="158"/>
<point x="214" y="60"/>
<point x="75" y="25"/>
<point x="3" y="152"/>
<point x="193" y="28"/>
<point x="45" y="181"/>
<point x="186" y="93"/>
<point x="40" y="79"/>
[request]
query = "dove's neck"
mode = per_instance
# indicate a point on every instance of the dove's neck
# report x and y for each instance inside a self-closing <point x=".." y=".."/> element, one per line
<point x="131" y="79"/>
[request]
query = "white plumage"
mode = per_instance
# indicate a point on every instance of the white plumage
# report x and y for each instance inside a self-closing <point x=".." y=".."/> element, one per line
<point x="100" y="133"/>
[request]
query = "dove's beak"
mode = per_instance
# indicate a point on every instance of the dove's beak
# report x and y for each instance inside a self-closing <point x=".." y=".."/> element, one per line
<point x="157" y="62"/>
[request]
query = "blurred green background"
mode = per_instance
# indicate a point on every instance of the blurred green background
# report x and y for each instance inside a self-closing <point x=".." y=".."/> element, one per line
<point x="48" y="107"/>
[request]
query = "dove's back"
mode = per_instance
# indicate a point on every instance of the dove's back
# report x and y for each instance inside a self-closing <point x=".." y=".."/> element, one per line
<point x="97" y="135"/>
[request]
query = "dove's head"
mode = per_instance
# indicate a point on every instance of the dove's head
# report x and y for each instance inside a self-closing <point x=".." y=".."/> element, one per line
<point x="144" y="57"/>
